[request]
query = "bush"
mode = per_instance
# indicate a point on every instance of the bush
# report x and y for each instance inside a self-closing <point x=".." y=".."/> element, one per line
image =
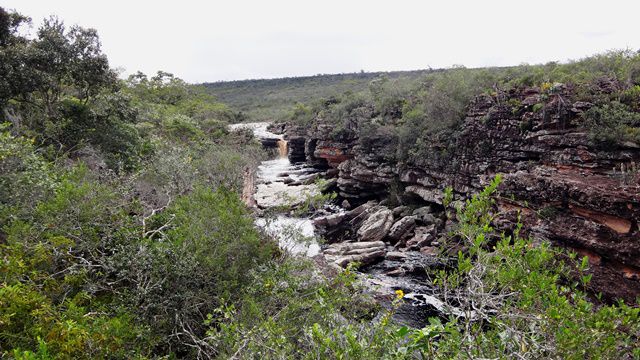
<point x="613" y="124"/>
<point x="58" y="275"/>
<point x="198" y="254"/>
<point x="25" y="177"/>
<point x="183" y="128"/>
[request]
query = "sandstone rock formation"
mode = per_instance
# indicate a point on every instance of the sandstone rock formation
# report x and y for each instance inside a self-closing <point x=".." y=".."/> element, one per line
<point x="376" y="226"/>
<point x="401" y="228"/>
<point x="565" y="186"/>
<point x="362" y="252"/>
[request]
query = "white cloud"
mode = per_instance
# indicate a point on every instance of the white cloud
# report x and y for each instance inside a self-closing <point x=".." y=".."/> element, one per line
<point x="224" y="40"/>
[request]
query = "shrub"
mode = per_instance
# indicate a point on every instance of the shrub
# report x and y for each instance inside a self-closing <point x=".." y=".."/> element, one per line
<point x="25" y="177"/>
<point x="183" y="128"/>
<point x="198" y="255"/>
<point x="612" y="124"/>
<point x="58" y="275"/>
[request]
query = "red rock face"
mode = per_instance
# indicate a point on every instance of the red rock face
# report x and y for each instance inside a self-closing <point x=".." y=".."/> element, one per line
<point x="564" y="185"/>
<point x="333" y="153"/>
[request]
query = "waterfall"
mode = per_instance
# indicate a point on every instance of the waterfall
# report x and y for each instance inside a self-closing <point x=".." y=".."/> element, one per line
<point x="282" y="148"/>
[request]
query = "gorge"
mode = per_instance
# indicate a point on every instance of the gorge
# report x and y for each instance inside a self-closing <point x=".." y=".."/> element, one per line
<point x="563" y="188"/>
<point x="455" y="213"/>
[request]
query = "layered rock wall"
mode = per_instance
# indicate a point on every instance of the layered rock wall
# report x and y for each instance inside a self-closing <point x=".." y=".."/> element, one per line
<point x="568" y="190"/>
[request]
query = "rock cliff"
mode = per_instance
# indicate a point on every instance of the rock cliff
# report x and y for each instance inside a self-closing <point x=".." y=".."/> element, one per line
<point x="568" y="190"/>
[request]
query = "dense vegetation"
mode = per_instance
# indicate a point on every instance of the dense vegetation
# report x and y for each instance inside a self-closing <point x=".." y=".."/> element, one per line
<point x="122" y="234"/>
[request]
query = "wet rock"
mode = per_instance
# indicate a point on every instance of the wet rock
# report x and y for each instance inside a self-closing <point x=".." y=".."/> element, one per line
<point x="330" y="220"/>
<point x="345" y="204"/>
<point x="376" y="226"/>
<point x="276" y="128"/>
<point x="312" y="178"/>
<point x="328" y="185"/>
<point x="402" y="228"/>
<point x="341" y="226"/>
<point x="280" y="194"/>
<point x="396" y="272"/>
<point x="296" y="149"/>
<point x="443" y="309"/>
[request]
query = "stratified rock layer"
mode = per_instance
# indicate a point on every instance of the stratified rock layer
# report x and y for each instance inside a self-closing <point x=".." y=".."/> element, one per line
<point x="564" y="186"/>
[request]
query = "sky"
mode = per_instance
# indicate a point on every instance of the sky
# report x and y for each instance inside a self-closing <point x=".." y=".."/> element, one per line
<point x="206" y="41"/>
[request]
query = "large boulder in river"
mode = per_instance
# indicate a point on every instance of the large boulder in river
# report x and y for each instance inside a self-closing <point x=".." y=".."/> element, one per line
<point x="376" y="226"/>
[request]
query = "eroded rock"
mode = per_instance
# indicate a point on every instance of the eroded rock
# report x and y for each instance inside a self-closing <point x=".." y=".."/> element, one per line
<point x="376" y="226"/>
<point x="402" y="228"/>
<point x="366" y="252"/>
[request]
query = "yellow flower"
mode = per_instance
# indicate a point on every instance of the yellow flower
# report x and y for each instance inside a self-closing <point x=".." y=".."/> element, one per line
<point x="399" y="294"/>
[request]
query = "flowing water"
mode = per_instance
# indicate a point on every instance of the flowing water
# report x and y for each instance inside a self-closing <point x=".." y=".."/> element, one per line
<point x="294" y="234"/>
<point x="281" y="184"/>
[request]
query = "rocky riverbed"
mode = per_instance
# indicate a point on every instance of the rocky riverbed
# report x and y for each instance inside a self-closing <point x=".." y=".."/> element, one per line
<point x="393" y="245"/>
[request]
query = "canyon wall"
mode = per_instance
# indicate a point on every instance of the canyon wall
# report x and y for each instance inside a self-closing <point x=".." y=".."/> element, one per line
<point x="577" y="195"/>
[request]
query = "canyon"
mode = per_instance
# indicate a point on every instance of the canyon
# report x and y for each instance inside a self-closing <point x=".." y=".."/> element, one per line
<point x="557" y="183"/>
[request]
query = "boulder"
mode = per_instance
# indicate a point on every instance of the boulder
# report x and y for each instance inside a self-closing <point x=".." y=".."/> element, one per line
<point x="332" y="220"/>
<point x="376" y="226"/>
<point x="396" y="256"/>
<point x="429" y="250"/>
<point x="345" y="204"/>
<point x="402" y="228"/>
<point x="423" y="237"/>
<point x="401" y="211"/>
<point x="425" y="215"/>
<point x="366" y="253"/>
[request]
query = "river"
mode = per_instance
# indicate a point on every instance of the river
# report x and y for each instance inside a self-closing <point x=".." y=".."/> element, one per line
<point x="281" y="185"/>
<point x="276" y="189"/>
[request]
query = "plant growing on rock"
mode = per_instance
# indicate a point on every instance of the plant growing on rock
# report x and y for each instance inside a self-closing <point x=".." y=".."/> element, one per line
<point x="519" y="302"/>
<point x="613" y="124"/>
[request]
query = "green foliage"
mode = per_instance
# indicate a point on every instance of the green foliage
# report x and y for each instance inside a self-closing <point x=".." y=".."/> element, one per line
<point x="315" y="202"/>
<point x="613" y="123"/>
<point x="57" y="275"/>
<point x="183" y="128"/>
<point x="301" y="114"/>
<point x="216" y="229"/>
<point x="519" y="301"/>
<point x="25" y="177"/>
<point x="161" y="259"/>
<point x="273" y="99"/>
<point x="291" y="311"/>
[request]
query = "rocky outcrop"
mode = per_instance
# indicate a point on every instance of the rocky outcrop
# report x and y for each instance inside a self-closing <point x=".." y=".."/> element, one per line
<point x="376" y="226"/>
<point x="564" y="185"/>
<point x="402" y="228"/>
<point x="364" y="253"/>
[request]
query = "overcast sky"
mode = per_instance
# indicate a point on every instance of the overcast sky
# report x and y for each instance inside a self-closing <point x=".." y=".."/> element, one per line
<point x="202" y="41"/>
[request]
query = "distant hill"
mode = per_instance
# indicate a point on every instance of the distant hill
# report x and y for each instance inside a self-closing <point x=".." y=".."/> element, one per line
<point x="271" y="99"/>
